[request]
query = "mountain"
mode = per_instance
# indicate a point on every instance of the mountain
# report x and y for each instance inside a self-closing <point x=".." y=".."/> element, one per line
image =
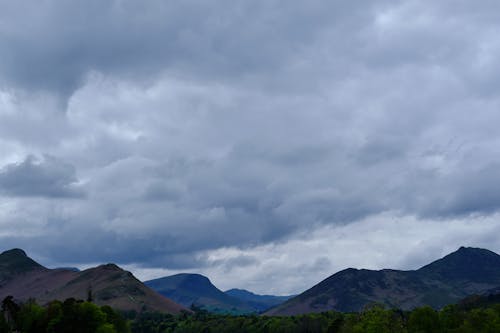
<point x="15" y="262"/>
<point x="466" y="266"/>
<point x="196" y="289"/>
<point x="258" y="302"/>
<point x="23" y="278"/>
<point x="489" y="298"/>
<point x="75" y="269"/>
<point x="464" y="272"/>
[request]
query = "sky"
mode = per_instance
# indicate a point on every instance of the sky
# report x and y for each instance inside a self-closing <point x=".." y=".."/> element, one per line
<point x="265" y="144"/>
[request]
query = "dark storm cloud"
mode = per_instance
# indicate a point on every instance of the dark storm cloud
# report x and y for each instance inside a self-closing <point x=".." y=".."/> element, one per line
<point x="473" y="191"/>
<point x="33" y="177"/>
<point x="52" y="46"/>
<point x="198" y="126"/>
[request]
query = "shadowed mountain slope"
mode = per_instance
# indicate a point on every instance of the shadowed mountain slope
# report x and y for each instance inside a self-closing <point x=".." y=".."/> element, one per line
<point x="259" y="302"/>
<point x="466" y="264"/>
<point x="464" y="272"/>
<point x="14" y="262"/>
<point x="196" y="289"/>
<point x="108" y="284"/>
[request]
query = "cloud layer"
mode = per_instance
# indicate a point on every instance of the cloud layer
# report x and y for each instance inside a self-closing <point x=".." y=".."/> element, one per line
<point x="155" y="134"/>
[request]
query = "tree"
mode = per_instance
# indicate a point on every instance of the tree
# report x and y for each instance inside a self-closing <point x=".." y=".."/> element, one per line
<point x="32" y="317"/>
<point x="10" y="311"/>
<point x="424" y="320"/>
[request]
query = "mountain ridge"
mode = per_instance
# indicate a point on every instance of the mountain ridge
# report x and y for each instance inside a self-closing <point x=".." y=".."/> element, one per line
<point x="259" y="302"/>
<point x="444" y="281"/>
<point x="195" y="289"/>
<point x="107" y="284"/>
<point x="462" y="273"/>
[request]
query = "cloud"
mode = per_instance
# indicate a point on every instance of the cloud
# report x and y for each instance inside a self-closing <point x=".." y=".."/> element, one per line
<point x="52" y="47"/>
<point x="381" y="241"/>
<point x="32" y="177"/>
<point x="193" y="127"/>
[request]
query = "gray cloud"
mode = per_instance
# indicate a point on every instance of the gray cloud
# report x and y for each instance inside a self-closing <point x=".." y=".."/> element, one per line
<point x="48" y="177"/>
<point x="53" y="46"/>
<point x="196" y="127"/>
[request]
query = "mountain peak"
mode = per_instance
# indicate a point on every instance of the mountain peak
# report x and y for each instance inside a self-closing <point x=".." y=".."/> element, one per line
<point x="24" y="278"/>
<point x="110" y="267"/>
<point x="472" y="251"/>
<point x="466" y="263"/>
<point x="464" y="272"/>
<point x="188" y="288"/>
<point x="14" y="253"/>
<point x="193" y="276"/>
<point x="15" y="261"/>
<point x="189" y="280"/>
<point x="466" y="259"/>
<point x="239" y="291"/>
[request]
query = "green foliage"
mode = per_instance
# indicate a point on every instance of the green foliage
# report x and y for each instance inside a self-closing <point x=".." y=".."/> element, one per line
<point x="32" y="318"/>
<point x="374" y="319"/>
<point x="424" y="320"/>
<point x="114" y="318"/>
<point x="70" y="316"/>
<point x="106" y="328"/>
<point x="84" y="317"/>
<point x="481" y="321"/>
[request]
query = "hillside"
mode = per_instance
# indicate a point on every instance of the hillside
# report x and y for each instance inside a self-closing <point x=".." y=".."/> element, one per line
<point x="196" y="289"/>
<point x="15" y="262"/>
<point x="108" y="284"/>
<point x="258" y="302"/>
<point x="464" y="272"/>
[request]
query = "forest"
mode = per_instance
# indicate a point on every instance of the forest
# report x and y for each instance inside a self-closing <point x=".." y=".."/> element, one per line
<point x="477" y="315"/>
<point x="71" y="316"/>
<point x="374" y="319"/>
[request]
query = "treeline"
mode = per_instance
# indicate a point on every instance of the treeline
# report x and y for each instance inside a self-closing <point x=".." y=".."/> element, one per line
<point x="375" y="319"/>
<point x="70" y="316"/>
<point x="475" y="315"/>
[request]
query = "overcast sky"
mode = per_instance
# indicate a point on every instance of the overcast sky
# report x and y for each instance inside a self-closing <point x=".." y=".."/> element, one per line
<point x="265" y="144"/>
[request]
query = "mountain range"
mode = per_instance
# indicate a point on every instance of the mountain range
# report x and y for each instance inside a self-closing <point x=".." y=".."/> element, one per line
<point x="465" y="272"/>
<point x="24" y="278"/>
<point x="462" y="273"/>
<point x="198" y="290"/>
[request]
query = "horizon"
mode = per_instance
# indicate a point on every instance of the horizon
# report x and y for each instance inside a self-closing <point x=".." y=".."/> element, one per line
<point x="142" y="279"/>
<point x="266" y="142"/>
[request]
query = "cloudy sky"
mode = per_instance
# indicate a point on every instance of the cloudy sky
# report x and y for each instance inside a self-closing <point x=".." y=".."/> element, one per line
<point x="266" y="144"/>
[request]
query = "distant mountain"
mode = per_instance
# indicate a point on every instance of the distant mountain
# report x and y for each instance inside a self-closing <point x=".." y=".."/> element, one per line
<point x="196" y="289"/>
<point x="464" y="272"/>
<point x="258" y="302"/>
<point x="74" y="269"/>
<point x="23" y="278"/>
